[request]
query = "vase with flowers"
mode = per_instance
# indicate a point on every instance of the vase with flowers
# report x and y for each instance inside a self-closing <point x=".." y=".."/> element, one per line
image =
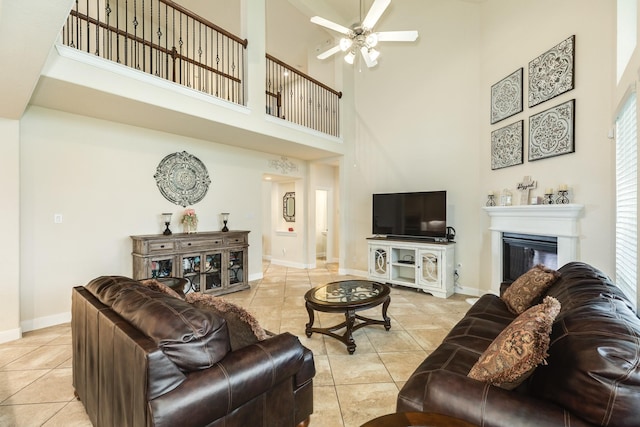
<point x="190" y="221"/>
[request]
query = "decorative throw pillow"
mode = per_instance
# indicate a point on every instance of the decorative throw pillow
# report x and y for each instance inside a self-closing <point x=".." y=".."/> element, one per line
<point x="519" y="348"/>
<point x="160" y="287"/>
<point x="244" y="329"/>
<point x="528" y="288"/>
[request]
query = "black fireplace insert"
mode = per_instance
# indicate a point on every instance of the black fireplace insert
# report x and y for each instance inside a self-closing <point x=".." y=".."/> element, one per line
<point x="520" y="252"/>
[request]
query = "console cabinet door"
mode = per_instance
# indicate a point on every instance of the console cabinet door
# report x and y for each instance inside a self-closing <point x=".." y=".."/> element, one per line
<point x="379" y="258"/>
<point x="430" y="265"/>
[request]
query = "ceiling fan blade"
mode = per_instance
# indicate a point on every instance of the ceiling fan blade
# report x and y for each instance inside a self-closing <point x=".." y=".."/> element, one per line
<point x="327" y="53"/>
<point x="367" y="59"/>
<point x="330" y="25"/>
<point x="397" y="36"/>
<point x="377" y="9"/>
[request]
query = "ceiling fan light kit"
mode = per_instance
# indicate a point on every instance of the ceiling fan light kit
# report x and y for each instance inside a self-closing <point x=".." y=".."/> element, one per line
<point x="361" y="37"/>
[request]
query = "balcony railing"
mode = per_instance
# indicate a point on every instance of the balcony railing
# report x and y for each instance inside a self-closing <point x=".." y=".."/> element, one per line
<point x="164" y="39"/>
<point x="298" y="98"/>
<point x="161" y="38"/>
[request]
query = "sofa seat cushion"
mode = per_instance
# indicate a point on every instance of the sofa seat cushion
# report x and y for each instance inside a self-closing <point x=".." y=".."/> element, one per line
<point x="193" y="339"/>
<point x="519" y="348"/>
<point x="528" y="289"/>
<point x="244" y="329"/>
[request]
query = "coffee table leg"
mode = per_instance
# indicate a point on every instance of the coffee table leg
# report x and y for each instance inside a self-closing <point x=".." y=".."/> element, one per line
<point x="350" y="318"/>
<point x="387" y="320"/>
<point x="309" y="325"/>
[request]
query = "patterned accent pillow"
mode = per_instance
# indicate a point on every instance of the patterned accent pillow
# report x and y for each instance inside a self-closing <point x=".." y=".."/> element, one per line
<point x="528" y="288"/>
<point x="519" y="348"/>
<point x="160" y="287"/>
<point x="244" y="329"/>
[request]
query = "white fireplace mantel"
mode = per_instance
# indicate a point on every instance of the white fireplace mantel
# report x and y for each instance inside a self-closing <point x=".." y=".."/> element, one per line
<point x="560" y="221"/>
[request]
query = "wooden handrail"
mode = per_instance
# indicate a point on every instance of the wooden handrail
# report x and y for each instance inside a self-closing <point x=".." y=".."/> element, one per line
<point x="204" y="21"/>
<point x="171" y="52"/>
<point x="305" y="76"/>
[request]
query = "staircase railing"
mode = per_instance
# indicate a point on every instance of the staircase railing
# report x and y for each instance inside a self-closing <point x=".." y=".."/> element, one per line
<point x="164" y="39"/>
<point x="299" y="98"/>
<point x="161" y="38"/>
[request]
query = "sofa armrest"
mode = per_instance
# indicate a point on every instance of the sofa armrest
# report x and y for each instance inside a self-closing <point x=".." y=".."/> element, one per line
<point x="483" y="404"/>
<point x="241" y="376"/>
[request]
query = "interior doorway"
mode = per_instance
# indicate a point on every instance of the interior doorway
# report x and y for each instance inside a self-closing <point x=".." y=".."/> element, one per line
<point x="322" y="225"/>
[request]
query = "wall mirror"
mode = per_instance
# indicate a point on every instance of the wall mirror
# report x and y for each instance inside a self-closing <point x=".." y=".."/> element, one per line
<point x="289" y="206"/>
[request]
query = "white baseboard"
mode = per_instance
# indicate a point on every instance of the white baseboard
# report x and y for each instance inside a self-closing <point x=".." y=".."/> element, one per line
<point x="10" y="335"/>
<point x="291" y="264"/>
<point x="45" y="322"/>
<point x="466" y="290"/>
<point x="351" y="272"/>
<point x="256" y="276"/>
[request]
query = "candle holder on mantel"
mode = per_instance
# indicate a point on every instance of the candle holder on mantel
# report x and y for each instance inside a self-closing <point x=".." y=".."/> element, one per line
<point x="562" y="197"/>
<point x="548" y="199"/>
<point x="491" y="200"/>
<point x="225" y="218"/>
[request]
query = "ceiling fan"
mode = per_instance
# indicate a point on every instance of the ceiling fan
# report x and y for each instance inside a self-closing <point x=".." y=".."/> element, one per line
<point x="361" y="37"/>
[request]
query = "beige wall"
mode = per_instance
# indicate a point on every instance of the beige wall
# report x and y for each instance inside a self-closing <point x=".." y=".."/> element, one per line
<point x="99" y="176"/>
<point x="10" y="218"/>
<point x="422" y="119"/>
<point x="416" y="126"/>
<point x="511" y="37"/>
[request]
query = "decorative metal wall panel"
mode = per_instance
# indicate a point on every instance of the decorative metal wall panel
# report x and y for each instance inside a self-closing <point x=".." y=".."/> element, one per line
<point x="551" y="73"/>
<point x="506" y="97"/>
<point x="182" y="179"/>
<point x="506" y="146"/>
<point x="551" y="133"/>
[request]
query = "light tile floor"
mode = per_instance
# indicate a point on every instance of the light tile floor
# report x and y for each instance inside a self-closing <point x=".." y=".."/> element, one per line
<point x="35" y="371"/>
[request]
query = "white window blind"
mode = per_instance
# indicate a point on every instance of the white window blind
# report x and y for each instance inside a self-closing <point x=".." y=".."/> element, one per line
<point x="627" y="198"/>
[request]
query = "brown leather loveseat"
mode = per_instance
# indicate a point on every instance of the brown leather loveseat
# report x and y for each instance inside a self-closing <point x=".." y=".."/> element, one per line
<point x="592" y="375"/>
<point x="145" y="358"/>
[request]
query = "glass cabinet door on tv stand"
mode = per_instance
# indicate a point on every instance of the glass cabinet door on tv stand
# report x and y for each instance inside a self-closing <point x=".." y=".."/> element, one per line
<point x="213" y="262"/>
<point x="379" y="261"/>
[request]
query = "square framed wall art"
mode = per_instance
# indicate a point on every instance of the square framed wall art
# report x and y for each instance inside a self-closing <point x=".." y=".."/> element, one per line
<point x="506" y="97"/>
<point x="551" y="73"/>
<point x="506" y="146"/>
<point x="551" y="132"/>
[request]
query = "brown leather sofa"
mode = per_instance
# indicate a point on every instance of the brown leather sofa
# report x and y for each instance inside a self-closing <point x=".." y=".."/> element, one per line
<point x="145" y="358"/>
<point x="592" y="376"/>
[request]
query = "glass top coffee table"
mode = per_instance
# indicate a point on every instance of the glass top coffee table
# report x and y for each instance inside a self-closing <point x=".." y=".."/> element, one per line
<point x="348" y="297"/>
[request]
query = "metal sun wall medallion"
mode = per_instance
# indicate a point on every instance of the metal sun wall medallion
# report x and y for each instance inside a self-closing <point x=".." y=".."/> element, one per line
<point x="551" y="73"/>
<point x="182" y="179"/>
<point x="506" y="146"/>
<point x="551" y="132"/>
<point x="506" y="97"/>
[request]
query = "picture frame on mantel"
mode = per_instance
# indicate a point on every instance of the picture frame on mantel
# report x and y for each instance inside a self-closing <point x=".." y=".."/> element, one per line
<point x="551" y="132"/>
<point x="507" y="146"/>
<point x="506" y="97"/>
<point x="552" y="73"/>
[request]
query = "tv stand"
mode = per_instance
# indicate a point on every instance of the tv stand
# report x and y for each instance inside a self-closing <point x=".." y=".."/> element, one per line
<point x="416" y="263"/>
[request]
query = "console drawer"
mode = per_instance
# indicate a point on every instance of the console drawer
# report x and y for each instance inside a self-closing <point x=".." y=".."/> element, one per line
<point x="166" y="246"/>
<point x="235" y="239"/>
<point x="200" y="243"/>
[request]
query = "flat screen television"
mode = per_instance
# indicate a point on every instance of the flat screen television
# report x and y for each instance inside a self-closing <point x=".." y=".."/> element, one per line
<point x="418" y="214"/>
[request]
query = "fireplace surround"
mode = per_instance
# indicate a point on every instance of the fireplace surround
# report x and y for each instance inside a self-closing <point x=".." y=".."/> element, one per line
<point x="559" y="221"/>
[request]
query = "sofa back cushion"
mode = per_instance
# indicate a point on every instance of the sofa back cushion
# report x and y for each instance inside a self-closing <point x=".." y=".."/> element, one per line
<point x="594" y="356"/>
<point x="193" y="339"/>
<point x="107" y="288"/>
